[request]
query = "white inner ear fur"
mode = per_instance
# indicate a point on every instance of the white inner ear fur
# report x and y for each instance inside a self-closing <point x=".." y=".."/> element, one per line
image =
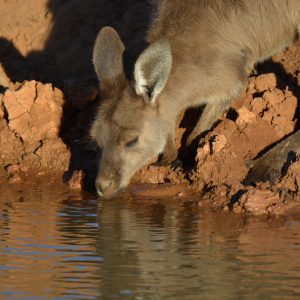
<point x="152" y="70"/>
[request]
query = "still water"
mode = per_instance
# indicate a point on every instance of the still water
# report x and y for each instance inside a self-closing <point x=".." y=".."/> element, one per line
<point x="55" y="244"/>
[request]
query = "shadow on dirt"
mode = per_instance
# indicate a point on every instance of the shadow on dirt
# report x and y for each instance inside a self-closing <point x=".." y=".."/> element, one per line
<point x="66" y="61"/>
<point x="68" y="50"/>
<point x="284" y="80"/>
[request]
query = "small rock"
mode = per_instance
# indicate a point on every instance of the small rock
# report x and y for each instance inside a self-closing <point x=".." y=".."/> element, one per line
<point x="219" y="143"/>
<point x="257" y="201"/>
<point x="34" y="111"/>
<point x="245" y="117"/>
<point x="265" y="82"/>
<point x="76" y="181"/>
<point x="12" y="169"/>
<point x="15" y="178"/>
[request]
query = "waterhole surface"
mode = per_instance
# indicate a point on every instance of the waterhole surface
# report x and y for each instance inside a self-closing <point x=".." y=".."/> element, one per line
<point x="55" y="244"/>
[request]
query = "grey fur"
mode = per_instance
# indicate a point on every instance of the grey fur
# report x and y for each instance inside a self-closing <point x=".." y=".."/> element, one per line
<point x="152" y="70"/>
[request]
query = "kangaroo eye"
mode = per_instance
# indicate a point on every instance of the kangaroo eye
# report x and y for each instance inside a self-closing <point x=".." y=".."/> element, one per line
<point x="132" y="142"/>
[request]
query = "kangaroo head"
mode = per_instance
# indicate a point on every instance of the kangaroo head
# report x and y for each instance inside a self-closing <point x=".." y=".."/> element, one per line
<point x="128" y="127"/>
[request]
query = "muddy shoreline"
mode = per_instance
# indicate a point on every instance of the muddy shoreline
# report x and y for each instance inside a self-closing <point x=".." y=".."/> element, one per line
<point x="49" y="96"/>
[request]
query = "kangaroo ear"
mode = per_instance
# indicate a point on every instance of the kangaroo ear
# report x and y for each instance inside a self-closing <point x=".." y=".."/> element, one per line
<point x="152" y="70"/>
<point x="108" y="61"/>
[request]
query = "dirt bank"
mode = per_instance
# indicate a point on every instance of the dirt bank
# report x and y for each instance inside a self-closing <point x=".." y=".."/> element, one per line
<point x="259" y="119"/>
<point x="44" y="126"/>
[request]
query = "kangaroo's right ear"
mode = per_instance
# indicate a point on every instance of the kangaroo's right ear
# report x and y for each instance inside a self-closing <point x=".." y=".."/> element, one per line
<point x="152" y="70"/>
<point x="108" y="61"/>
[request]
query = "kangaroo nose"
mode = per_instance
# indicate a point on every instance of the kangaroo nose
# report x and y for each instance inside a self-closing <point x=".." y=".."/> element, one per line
<point x="102" y="184"/>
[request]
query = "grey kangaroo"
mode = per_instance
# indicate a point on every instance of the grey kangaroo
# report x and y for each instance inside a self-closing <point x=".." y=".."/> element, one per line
<point x="200" y="53"/>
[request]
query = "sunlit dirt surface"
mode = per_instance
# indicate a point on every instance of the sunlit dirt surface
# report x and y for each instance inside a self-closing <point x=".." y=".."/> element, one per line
<point x="57" y="244"/>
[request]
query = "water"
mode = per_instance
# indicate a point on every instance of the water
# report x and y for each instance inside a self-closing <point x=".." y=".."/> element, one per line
<point x="60" y="245"/>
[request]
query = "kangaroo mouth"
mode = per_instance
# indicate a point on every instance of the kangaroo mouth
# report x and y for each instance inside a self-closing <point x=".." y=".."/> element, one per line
<point x="109" y="192"/>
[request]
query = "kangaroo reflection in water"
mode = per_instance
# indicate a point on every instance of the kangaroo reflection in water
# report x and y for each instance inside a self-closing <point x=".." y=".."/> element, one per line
<point x="60" y="244"/>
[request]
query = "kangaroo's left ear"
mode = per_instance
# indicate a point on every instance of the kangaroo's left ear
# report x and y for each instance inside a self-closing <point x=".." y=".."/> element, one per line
<point x="108" y="62"/>
<point x="152" y="70"/>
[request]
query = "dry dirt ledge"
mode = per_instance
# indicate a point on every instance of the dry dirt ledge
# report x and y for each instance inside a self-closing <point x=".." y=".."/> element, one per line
<point x="44" y="126"/>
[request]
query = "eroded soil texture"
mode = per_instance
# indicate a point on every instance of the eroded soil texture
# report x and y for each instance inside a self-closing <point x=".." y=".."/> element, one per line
<point x="49" y="96"/>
